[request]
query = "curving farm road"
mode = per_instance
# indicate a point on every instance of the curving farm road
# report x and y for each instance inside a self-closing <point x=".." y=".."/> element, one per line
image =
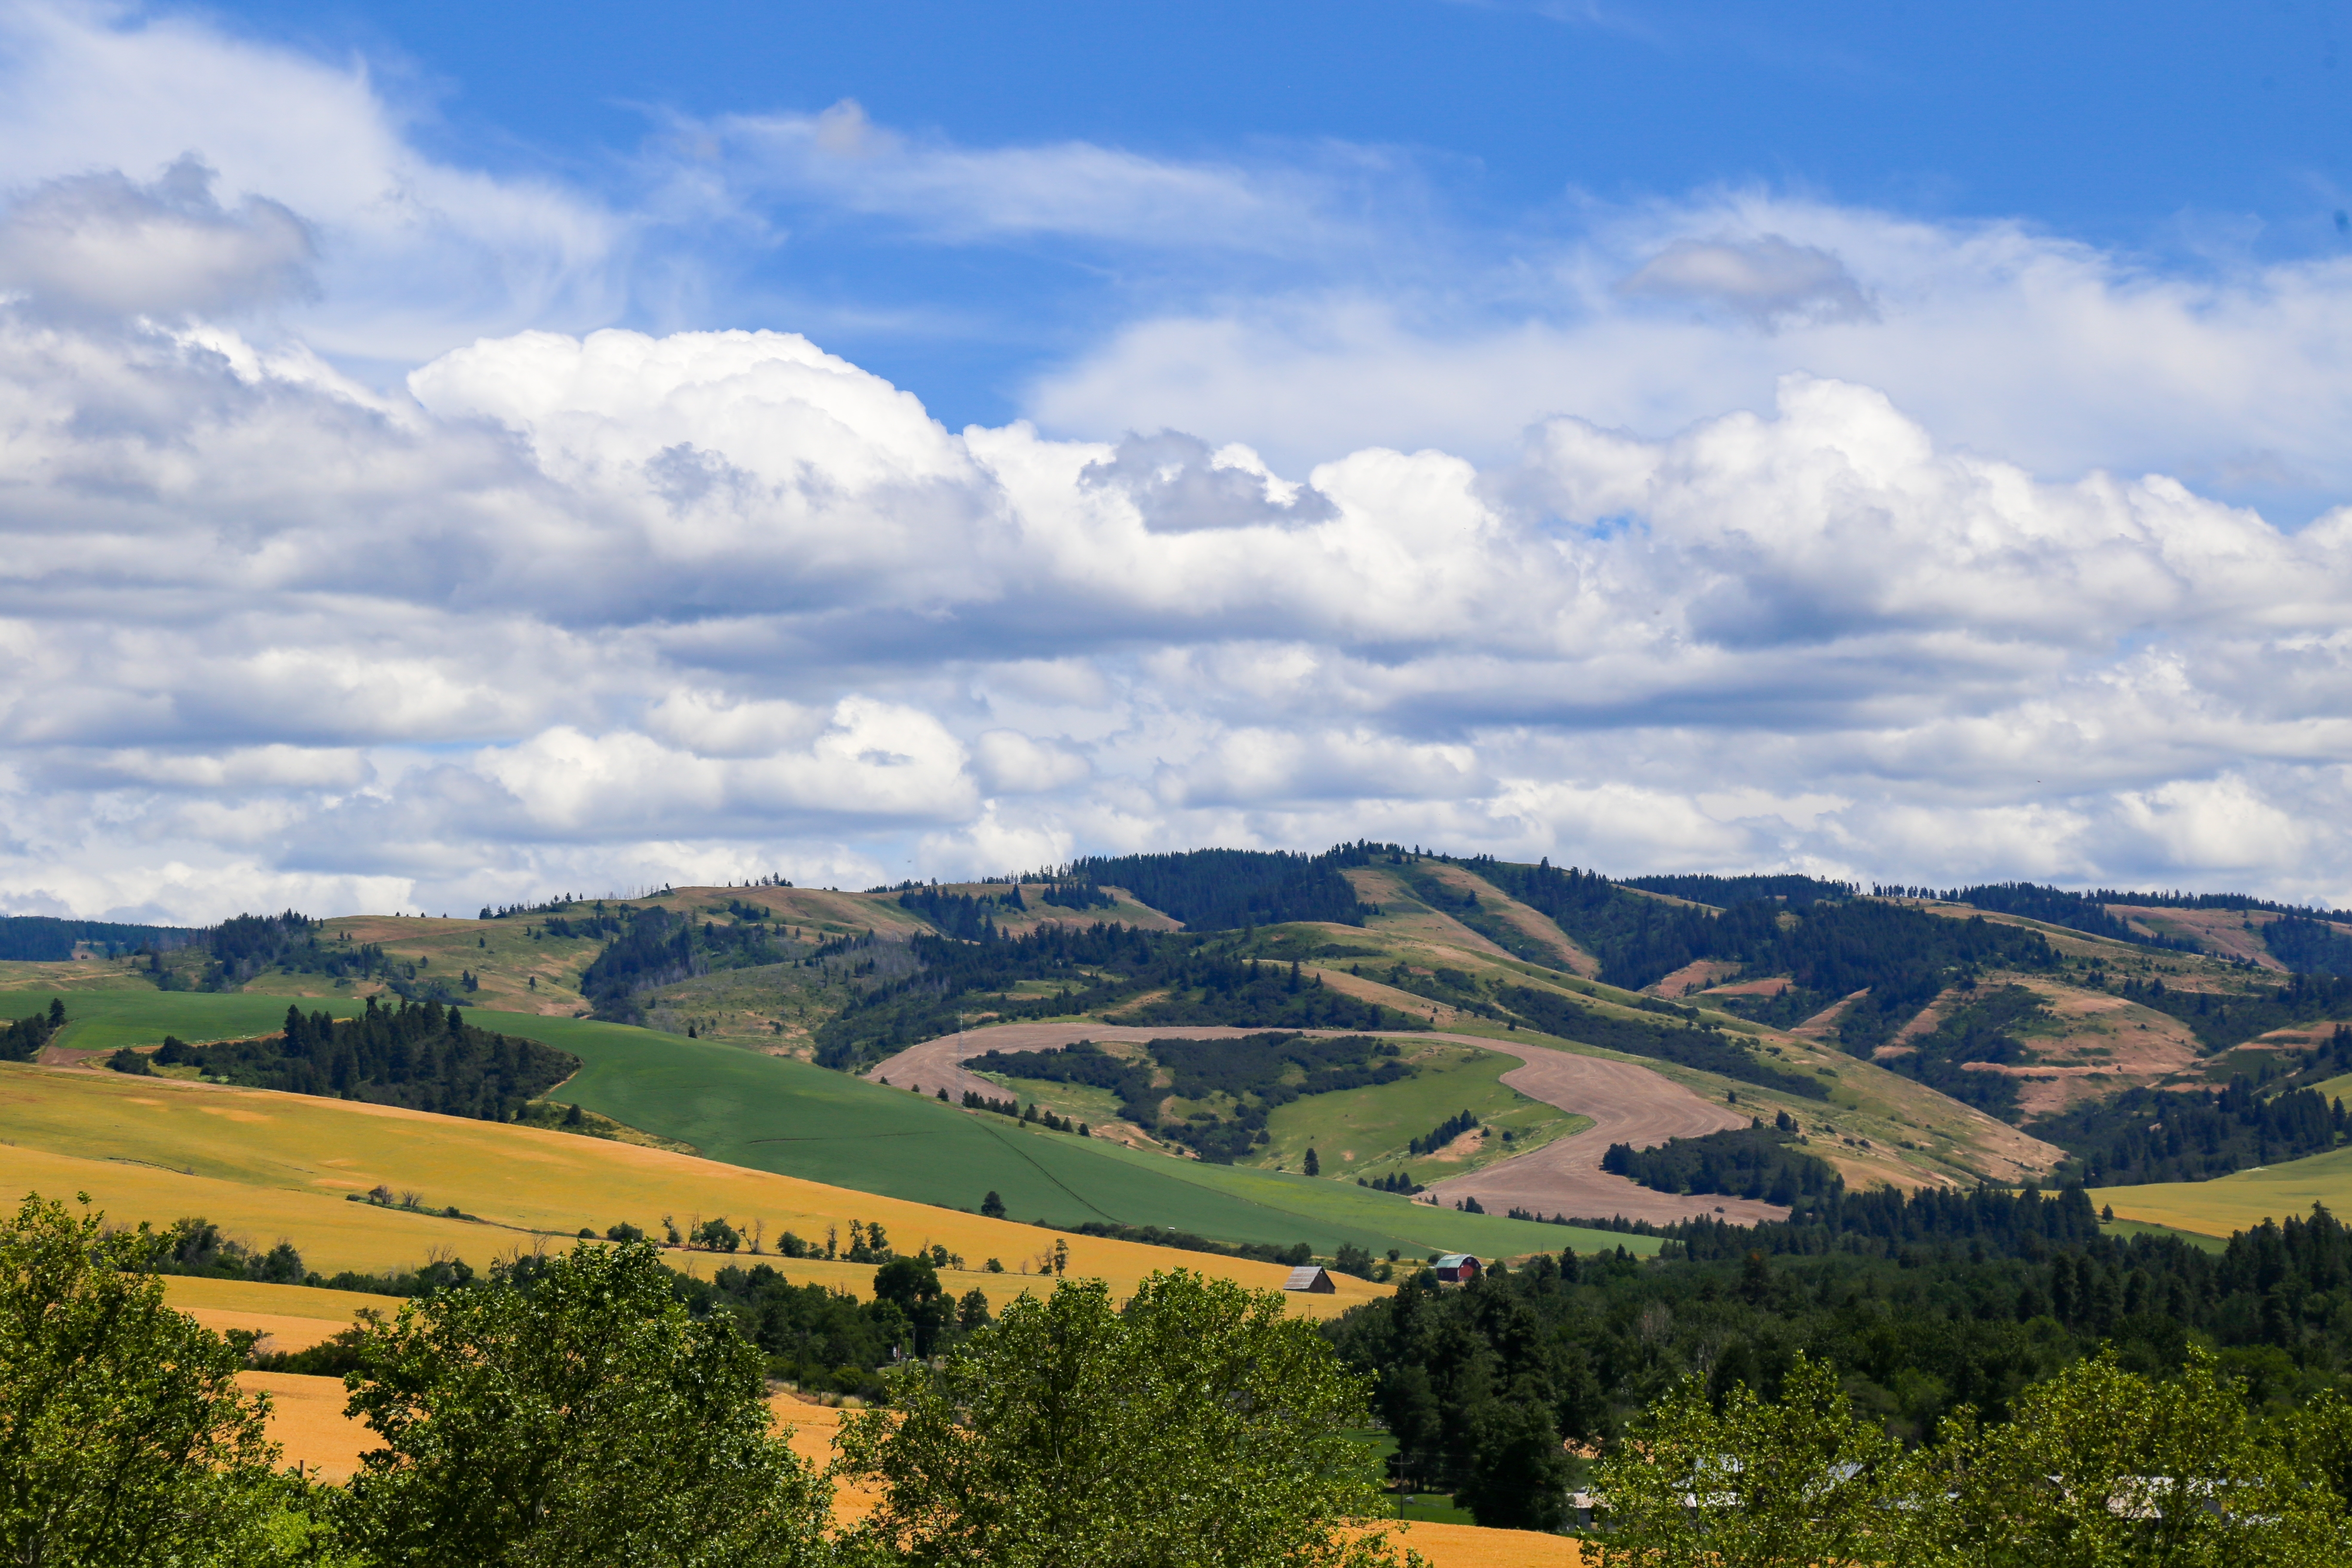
<point x="1628" y="1104"/>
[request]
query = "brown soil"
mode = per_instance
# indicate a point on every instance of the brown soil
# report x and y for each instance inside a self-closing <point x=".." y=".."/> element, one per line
<point x="1374" y="886"/>
<point x="2108" y="1045"/>
<point x="2222" y="931"/>
<point x="1368" y="990"/>
<point x="1818" y="1027"/>
<point x="1772" y="986"/>
<point x="1628" y="1104"/>
<point x="1529" y="921"/>
<point x="1927" y="1021"/>
<point x="1699" y="974"/>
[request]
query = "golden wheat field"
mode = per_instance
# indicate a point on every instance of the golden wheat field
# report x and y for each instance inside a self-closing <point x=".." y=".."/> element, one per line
<point x="291" y="1317"/>
<point x="266" y="1166"/>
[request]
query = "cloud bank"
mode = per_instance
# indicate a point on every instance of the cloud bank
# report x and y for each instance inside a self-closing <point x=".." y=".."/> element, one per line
<point x="1738" y="533"/>
<point x="715" y="603"/>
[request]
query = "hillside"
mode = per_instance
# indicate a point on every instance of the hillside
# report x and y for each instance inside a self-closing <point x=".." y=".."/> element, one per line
<point x="1909" y="1036"/>
<point x="272" y="1166"/>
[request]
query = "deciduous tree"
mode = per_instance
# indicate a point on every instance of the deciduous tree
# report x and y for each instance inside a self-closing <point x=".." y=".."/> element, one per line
<point x="1197" y="1427"/>
<point x="588" y="1422"/>
<point x="123" y="1437"/>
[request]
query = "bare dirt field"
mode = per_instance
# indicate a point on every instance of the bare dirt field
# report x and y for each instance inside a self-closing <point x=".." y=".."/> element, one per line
<point x="1820" y="1025"/>
<point x="1406" y="918"/>
<point x="1770" y="985"/>
<point x="1699" y="974"/>
<point x="1530" y="921"/>
<point x="2221" y="930"/>
<point x="1628" y="1104"/>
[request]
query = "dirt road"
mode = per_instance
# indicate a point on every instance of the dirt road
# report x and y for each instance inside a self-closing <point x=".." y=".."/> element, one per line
<point x="1628" y="1104"/>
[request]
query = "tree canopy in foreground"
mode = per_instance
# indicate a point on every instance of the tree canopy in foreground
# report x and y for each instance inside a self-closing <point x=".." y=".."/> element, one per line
<point x="1197" y="1426"/>
<point x="587" y="1421"/>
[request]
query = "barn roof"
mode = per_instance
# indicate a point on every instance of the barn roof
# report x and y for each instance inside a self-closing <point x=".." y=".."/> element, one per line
<point x="1456" y="1260"/>
<point x="1310" y="1277"/>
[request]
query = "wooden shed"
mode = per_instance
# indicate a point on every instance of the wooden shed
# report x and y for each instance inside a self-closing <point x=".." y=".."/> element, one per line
<point x="1455" y="1268"/>
<point x="1313" y="1278"/>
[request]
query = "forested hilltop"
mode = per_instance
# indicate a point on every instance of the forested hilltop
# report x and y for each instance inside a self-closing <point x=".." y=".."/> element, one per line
<point x="2055" y="1012"/>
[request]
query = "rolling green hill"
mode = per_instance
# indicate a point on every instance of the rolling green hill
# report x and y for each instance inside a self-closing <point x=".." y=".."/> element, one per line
<point x="137" y="1015"/>
<point x="773" y="1114"/>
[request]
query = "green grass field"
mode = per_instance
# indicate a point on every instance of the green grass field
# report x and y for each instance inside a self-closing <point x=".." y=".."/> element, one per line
<point x="1367" y="1131"/>
<point x="2124" y="1228"/>
<point x="136" y="1014"/>
<point x="2335" y="1089"/>
<point x="2242" y="1200"/>
<point x="771" y="1113"/>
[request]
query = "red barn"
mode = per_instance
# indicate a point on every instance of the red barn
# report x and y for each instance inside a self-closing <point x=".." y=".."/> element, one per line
<point x="1455" y="1268"/>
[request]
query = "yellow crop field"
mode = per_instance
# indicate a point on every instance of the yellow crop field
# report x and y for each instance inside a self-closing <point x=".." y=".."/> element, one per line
<point x="2242" y="1200"/>
<point x="307" y="1420"/>
<point x="1468" y="1546"/>
<point x="266" y="1166"/>
<point x="293" y="1316"/>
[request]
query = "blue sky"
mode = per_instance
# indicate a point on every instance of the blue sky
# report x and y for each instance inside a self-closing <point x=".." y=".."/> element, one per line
<point x="2196" y="137"/>
<point x="1897" y="441"/>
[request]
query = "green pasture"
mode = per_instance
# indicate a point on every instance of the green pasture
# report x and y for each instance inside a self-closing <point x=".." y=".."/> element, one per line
<point x="771" y="1113"/>
<point x="136" y="1014"/>
<point x="2335" y="1089"/>
<point x="2242" y="1200"/>
<point x="2127" y="1228"/>
<point x="1078" y="1101"/>
<point x="1366" y="1131"/>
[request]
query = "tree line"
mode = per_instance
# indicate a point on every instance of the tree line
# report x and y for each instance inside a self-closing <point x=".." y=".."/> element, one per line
<point x="1947" y="1307"/>
<point x="21" y="1039"/>
<point x="1250" y="1073"/>
<point x="1686" y="1044"/>
<point x="45" y="939"/>
<point x="2219" y="1020"/>
<point x="1096" y="968"/>
<point x="1232" y="889"/>
<point x="418" y="1055"/>
<point x="2144" y="1135"/>
<point x="1753" y="1161"/>
<point x="2308" y="946"/>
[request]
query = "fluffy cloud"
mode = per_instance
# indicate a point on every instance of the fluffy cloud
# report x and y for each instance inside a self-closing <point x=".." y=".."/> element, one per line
<point x="1764" y="281"/>
<point x="100" y="244"/>
<point x="1998" y="338"/>
<point x="413" y="255"/>
<point x="641" y="607"/>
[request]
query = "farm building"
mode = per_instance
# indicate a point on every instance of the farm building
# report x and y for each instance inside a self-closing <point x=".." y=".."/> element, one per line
<point x="1455" y="1268"/>
<point x="1311" y="1277"/>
